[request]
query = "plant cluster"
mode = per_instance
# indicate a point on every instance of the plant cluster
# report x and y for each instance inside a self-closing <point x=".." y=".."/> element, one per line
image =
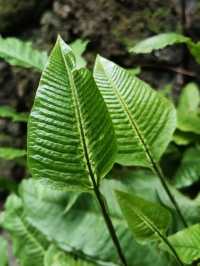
<point x="97" y="149"/>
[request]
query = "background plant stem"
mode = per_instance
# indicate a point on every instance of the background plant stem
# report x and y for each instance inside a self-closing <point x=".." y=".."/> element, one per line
<point x="161" y="176"/>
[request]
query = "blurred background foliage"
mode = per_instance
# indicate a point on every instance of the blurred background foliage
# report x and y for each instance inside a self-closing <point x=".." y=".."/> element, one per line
<point x="109" y="28"/>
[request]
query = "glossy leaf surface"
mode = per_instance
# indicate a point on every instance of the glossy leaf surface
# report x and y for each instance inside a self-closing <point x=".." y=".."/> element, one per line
<point x="144" y="120"/>
<point x="71" y="139"/>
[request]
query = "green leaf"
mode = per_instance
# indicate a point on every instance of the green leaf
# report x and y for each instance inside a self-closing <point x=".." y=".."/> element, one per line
<point x="3" y="252"/>
<point x="81" y="226"/>
<point x="189" y="170"/>
<point x="71" y="139"/>
<point x="189" y="99"/>
<point x="187" y="243"/>
<point x="11" y="153"/>
<point x="163" y="40"/>
<point x="56" y="257"/>
<point x="29" y="244"/>
<point x="159" y="41"/>
<point x="147" y="220"/>
<point x="195" y="50"/>
<point x="185" y="138"/>
<point x="8" y="112"/>
<point x="188" y="109"/>
<point x="144" y="120"/>
<point x="134" y="71"/>
<point x="78" y="47"/>
<point x="19" y="53"/>
<point x="145" y="183"/>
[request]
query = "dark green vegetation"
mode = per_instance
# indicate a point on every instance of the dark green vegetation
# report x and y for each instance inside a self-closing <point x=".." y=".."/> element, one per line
<point x="78" y="208"/>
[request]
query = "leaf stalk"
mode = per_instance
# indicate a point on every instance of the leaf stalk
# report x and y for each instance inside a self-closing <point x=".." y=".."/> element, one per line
<point x="159" y="173"/>
<point x="109" y="224"/>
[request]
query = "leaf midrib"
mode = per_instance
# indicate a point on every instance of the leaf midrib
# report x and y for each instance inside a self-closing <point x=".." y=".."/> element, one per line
<point x="149" y="224"/>
<point x="80" y="124"/>
<point x="132" y="122"/>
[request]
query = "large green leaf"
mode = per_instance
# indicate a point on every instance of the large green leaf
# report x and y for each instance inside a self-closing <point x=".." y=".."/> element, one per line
<point x="188" y="109"/>
<point x="71" y="139"/>
<point x="144" y="120"/>
<point x="29" y="244"/>
<point x="19" y="53"/>
<point x="8" y="153"/>
<point x="3" y="252"/>
<point x="187" y="243"/>
<point x="56" y="257"/>
<point x="147" y="220"/>
<point x="159" y="41"/>
<point x="8" y="112"/>
<point x="189" y="170"/>
<point x="80" y="228"/>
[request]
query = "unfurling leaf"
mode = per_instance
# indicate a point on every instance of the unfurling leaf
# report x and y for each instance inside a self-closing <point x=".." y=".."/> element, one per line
<point x="144" y="120"/>
<point x="71" y="139"/>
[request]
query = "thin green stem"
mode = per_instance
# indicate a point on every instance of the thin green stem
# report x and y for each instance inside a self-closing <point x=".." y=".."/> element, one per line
<point x="156" y="168"/>
<point x="110" y="226"/>
<point x="161" y="176"/>
<point x="94" y="180"/>
<point x="173" y="251"/>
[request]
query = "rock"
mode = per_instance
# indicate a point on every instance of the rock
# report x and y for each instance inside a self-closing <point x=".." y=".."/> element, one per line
<point x="16" y="13"/>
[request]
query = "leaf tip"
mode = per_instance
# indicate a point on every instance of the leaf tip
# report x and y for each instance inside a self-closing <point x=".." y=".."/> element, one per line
<point x="62" y="44"/>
